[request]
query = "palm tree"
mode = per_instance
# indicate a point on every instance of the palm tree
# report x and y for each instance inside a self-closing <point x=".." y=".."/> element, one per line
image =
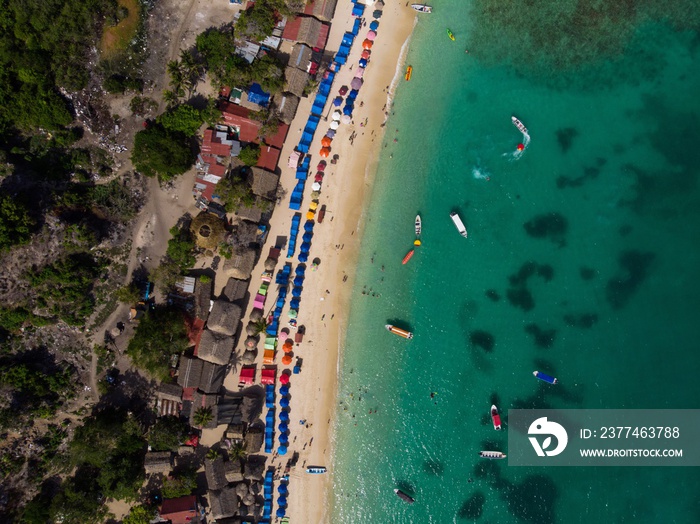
<point x="190" y="70"/>
<point x="260" y="325"/>
<point x="237" y="452"/>
<point x="212" y="454"/>
<point x="170" y="98"/>
<point x="202" y="417"/>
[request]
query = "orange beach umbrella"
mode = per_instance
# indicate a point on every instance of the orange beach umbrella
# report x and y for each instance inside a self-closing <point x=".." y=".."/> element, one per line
<point x="326" y="141"/>
<point x="325" y="151"/>
<point x="286" y="360"/>
<point x="367" y="44"/>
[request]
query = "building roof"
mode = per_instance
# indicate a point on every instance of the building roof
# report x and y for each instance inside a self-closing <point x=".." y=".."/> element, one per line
<point x="169" y="392"/>
<point x="300" y="57"/>
<point x="286" y="104"/>
<point x="202" y="298"/>
<point x="295" y="80"/>
<point x="216" y="347"/>
<point x="321" y="9"/>
<point x="223" y="318"/>
<point x="235" y="289"/>
<point x="263" y="183"/>
<point x="308" y="30"/>
<point x="158" y="462"/>
<point x="189" y="372"/>
<point x="212" y="377"/>
<point x="254" y="439"/>
<point x="224" y="503"/>
<point x="238" y="117"/>
<point x="179" y="511"/>
<point x="215" y="472"/>
<point x="255" y="467"/>
<point x="252" y="213"/>
<point x="241" y="263"/>
<point x="277" y="140"/>
<point x="269" y="157"/>
<point x="234" y="471"/>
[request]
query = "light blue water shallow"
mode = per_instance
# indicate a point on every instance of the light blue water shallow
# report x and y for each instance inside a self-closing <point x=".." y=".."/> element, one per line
<point x="613" y="157"/>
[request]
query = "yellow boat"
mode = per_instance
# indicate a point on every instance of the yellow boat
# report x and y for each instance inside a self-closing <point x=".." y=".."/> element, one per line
<point x="409" y="72"/>
<point x="398" y="331"/>
<point x="451" y="35"/>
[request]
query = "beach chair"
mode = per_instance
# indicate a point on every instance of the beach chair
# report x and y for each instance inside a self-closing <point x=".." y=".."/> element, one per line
<point x="269" y="356"/>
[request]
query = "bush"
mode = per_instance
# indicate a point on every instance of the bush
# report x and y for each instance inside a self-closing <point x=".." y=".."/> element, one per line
<point x="15" y="223"/>
<point x="142" y="105"/>
<point x="250" y="154"/>
<point x="160" y="153"/>
<point x="183" y="119"/>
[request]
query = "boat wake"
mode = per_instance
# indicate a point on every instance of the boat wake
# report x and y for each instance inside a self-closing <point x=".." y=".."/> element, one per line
<point x="519" y="151"/>
<point x="480" y="173"/>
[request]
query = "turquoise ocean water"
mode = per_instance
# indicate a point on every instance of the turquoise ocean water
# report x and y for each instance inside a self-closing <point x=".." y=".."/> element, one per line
<point x="583" y="260"/>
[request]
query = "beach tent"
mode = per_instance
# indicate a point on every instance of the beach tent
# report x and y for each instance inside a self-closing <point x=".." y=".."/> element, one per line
<point x="365" y="54"/>
<point x="345" y="120"/>
<point x="284" y="415"/>
<point x="362" y="63"/>
<point x="338" y="100"/>
<point x="356" y="83"/>
<point x="334" y="125"/>
<point x="284" y="379"/>
<point x="374" y="25"/>
<point x="371" y="35"/>
<point x="367" y="44"/>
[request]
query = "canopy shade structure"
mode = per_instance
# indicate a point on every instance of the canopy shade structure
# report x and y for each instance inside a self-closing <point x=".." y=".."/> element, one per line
<point x="338" y="101"/>
<point x="284" y="402"/>
<point x="343" y="90"/>
<point x="367" y="44"/>
<point x="346" y="119"/>
<point x="284" y="379"/>
<point x="284" y="391"/>
<point x="336" y="115"/>
<point x="363" y="62"/>
<point x="365" y="54"/>
<point x="247" y="375"/>
<point x="308" y="226"/>
<point x="316" y="187"/>
<point x="322" y="164"/>
<point x="284" y="416"/>
<point x="334" y="125"/>
<point x="371" y="35"/>
<point x="326" y="141"/>
<point x="325" y="151"/>
<point x="356" y="83"/>
<point x="286" y="360"/>
<point x="374" y="25"/>
<point x="282" y="450"/>
<point x="267" y="376"/>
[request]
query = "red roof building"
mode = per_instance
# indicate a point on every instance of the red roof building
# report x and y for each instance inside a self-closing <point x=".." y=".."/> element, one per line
<point x="180" y="510"/>
<point x="269" y="156"/>
<point x="237" y="117"/>
<point x="277" y="140"/>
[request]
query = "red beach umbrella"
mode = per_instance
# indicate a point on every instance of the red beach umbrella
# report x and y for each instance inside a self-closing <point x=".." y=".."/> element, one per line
<point x="325" y="151"/>
<point x="365" y="54"/>
<point x="284" y="378"/>
<point x="321" y="165"/>
<point x="343" y="90"/>
<point x="326" y="141"/>
<point x="367" y="44"/>
<point x="318" y="177"/>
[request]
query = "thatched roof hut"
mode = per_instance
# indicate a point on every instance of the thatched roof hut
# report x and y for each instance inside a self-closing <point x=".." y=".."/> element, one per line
<point x="189" y="371"/>
<point x="270" y="264"/>
<point x="254" y="439"/>
<point x="263" y="183"/>
<point x="202" y="296"/>
<point x="249" y="499"/>
<point x="252" y="342"/>
<point x="254" y="468"/>
<point x="322" y="9"/>
<point x="244" y="233"/>
<point x="208" y="230"/>
<point x="252" y="213"/>
<point x="234" y="473"/>
<point x="235" y="431"/>
<point x="300" y="56"/>
<point x="235" y="289"/>
<point x="223" y="318"/>
<point x="256" y="314"/>
<point x="212" y="378"/>
<point x="287" y="105"/>
<point x="215" y="472"/>
<point x="158" y="462"/>
<point x="249" y="357"/>
<point x="309" y="31"/>
<point x="295" y="81"/>
<point x="215" y="347"/>
<point x="203" y="400"/>
<point x="251" y="329"/>
<point x="241" y="263"/>
<point x="224" y="503"/>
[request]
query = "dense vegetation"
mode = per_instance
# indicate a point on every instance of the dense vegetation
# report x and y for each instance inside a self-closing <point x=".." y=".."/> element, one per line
<point x="258" y="21"/>
<point x="160" y="334"/>
<point x="162" y="153"/>
<point x="235" y="191"/>
<point x="167" y="434"/>
<point x="15" y="222"/>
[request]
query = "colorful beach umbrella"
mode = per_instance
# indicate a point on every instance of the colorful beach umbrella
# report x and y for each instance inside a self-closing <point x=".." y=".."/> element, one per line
<point x="310" y="215"/>
<point x="343" y="90"/>
<point x="281" y="512"/>
<point x="286" y="360"/>
<point x="308" y="226"/>
<point x="336" y="115"/>
<point x="322" y="164"/>
<point x="374" y="25"/>
<point x="303" y="257"/>
<point x="337" y="101"/>
<point x="284" y="391"/>
<point x="326" y="142"/>
<point x="362" y="63"/>
<point x="325" y="151"/>
<point x="367" y="44"/>
<point x="356" y="83"/>
<point x="352" y="95"/>
<point x="347" y="110"/>
<point x="346" y="119"/>
<point x="283" y="427"/>
<point x="284" y="402"/>
<point x="318" y="177"/>
<point x="294" y="304"/>
<point x="281" y="501"/>
<point x="315" y="187"/>
<point x="334" y="125"/>
<point x="359" y="73"/>
<point x="284" y="416"/>
<point x="330" y="133"/>
<point x="284" y="379"/>
<point x="282" y="450"/>
<point x="282" y="489"/>
<point x="365" y="54"/>
<point x="377" y="13"/>
<point x="314" y="205"/>
<point x="371" y="35"/>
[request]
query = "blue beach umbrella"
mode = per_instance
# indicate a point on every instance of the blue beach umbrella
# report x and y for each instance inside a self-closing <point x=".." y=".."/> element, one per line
<point x="374" y="25"/>
<point x="305" y="247"/>
<point x="281" y="501"/>
<point x="284" y="402"/>
<point x="282" y="489"/>
<point x="301" y="270"/>
<point x="309" y="226"/>
<point x="296" y="292"/>
<point x="299" y="281"/>
<point x="284" y="416"/>
<point x="281" y="512"/>
<point x="362" y="62"/>
<point x="282" y="450"/>
<point x="294" y="304"/>
<point x="283" y="427"/>
<point x="307" y="236"/>
<point x="337" y="101"/>
<point x="284" y="391"/>
<point x="352" y="95"/>
<point x="347" y="110"/>
<point x="284" y="440"/>
<point x="303" y="257"/>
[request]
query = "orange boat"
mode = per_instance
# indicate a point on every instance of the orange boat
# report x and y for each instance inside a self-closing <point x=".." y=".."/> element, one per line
<point x="408" y="256"/>
<point x="398" y="331"/>
<point x="409" y="72"/>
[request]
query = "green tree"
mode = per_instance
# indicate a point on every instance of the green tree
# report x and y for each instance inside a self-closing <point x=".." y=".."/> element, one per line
<point x="161" y="153"/>
<point x="235" y="192"/>
<point x="183" y="119"/>
<point x="202" y="417"/>
<point x="15" y="223"/>
<point x="269" y="73"/>
<point x="79" y="501"/>
<point x="250" y="154"/>
<point x="181" y="485"/>
<point x="167" y="274"/>
<point x="260" y="325"/>
<point x="129" y="294"/>
<point x="258" y="21"/>
<point x="237" y="452"/>
<point x="160" y="334"/>
<point x="167" y="434"/>
<point x="139" y="515"/>
<point x="180" y="248"/>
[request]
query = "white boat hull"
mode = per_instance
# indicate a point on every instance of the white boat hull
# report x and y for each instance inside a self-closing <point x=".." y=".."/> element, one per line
<point x="459" y="224"/>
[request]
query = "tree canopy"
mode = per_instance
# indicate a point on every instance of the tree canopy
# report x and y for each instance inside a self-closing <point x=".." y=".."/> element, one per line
<point x="259" y="20"/>
<point x="160" y="334"/>
<point x="235" y="192"/>
<point x="162" y="153"/>
<point x="167" y="434"/>
<point x="15" y="222"/>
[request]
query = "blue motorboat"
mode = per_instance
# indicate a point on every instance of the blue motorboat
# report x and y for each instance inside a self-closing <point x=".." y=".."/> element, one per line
<point x="544" y="377"/>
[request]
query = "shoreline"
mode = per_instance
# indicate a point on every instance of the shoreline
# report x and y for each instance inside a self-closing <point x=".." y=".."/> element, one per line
<point x="327" y="292"/>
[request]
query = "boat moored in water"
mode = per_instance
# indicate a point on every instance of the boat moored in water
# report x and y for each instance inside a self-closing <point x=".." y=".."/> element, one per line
<point x="496" y="418"/>
<point x="451" y="35"/>
<point x="408" y="256"/>
<point x="545" y="378"/>
<point x="316" y="470"/>
<point x="422" y="8"/>
<point x="517" y="123"/>
<point x="398" y="331"/>
<point x="409" y="72"/>
<point x="496" y="455"/>
<point x="419" y="225"/>
<point x="405" y="497"/>
<point x="459" y="224"/>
